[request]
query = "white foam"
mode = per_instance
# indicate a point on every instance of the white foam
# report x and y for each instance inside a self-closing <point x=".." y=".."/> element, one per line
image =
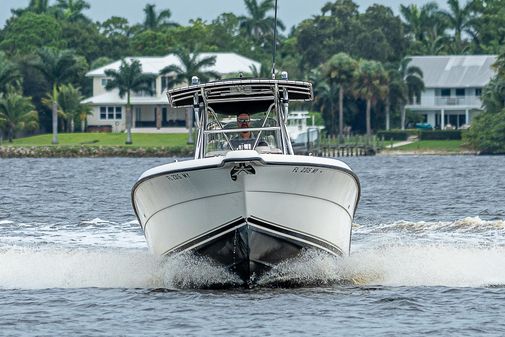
<point x="34" y="268"/>
<point x="427" y="265"/>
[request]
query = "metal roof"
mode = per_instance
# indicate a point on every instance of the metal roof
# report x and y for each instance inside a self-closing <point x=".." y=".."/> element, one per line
<point x="112" y="98"/>
<point x="457" y="71"/>
<point x="226" y="63"/>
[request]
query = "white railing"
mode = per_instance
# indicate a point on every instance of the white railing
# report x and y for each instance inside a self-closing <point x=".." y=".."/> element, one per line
<point x="458" y="100"/>
<point x="472" y="101"/>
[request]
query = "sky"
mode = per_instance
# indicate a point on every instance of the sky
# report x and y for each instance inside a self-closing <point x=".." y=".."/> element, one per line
<point x="291" y="12"/>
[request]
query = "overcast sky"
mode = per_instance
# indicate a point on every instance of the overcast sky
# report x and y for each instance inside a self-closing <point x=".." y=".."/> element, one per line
<point x="291" y="12"/>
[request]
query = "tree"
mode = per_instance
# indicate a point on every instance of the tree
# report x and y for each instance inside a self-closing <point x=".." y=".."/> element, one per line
<point x="129" y="78"/>
<point x="385" y="32"/>
<point x="418" y="20"/>
<point x="72" y="9"/>
<point x="27" y="33"/>
<point x="35" y="6"/>
<point x="340" y="69"/>
<point x="493" y="95"/>
<point x="17" y="113"/>
<point x="324" y="100"/>
<point x="57" y="66"/>
<point x="10" y="75"/>
<point x="461" y="19"/>
<point x="155" y="21"/>
<point x="325" y="35"/>
<point x="370" y="85"/>
<point x="412" y="85"/>
<point x="257" y="23"/>
<point x="487" y="133"/>
<point x="193" y="64"/>
<point x="69" y="101"/>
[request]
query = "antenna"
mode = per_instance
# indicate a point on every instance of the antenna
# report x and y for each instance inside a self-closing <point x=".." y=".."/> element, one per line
<point x="275" y="42"/>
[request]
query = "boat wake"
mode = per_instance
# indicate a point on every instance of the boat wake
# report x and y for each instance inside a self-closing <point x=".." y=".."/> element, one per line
<point x="400" y="265"/>
<point x="464" y="253"/>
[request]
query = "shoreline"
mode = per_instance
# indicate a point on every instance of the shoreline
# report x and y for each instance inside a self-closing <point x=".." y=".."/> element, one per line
<point x="426" y="153"/>
<point x="62" y="151"/>
<point x="86" y="151"/>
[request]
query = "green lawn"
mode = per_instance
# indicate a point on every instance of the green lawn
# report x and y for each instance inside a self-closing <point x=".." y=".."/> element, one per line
<point x="433" y="145"/>
<point x="105" y="139"/>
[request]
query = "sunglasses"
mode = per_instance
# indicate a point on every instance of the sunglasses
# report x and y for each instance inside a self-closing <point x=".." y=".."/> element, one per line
<point x="243" y="120"/>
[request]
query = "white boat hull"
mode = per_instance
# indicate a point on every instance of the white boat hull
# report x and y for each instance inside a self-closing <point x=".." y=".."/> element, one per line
<point x="248" y="211"/>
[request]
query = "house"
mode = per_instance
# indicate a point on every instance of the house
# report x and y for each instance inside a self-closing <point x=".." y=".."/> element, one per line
<point x="453" y="88"/>
<point x="151" y="113"/>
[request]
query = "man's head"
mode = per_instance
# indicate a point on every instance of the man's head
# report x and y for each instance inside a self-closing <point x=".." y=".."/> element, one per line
<point x="243" y="122"/>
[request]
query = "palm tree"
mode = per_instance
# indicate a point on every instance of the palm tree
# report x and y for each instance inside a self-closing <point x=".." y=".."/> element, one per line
<point x="412" y="86"/>
<point x="396" y="93"/>
<point x="324" y="101"/>
<point x="258" y="23"/>
<point x="461" y="19"/>
<point x="9" y="74"/>
<point x="493" y="95"/>
<point x="72" y="9"/>
<point x="370" y="85"/>
<point x="341" y="70"/>
<point x="129" y="78"/>
<point x="69" y="100"/>
<point x="57" y="66"/>
<point x="84" y="111"/>
<point x="17" y="113"/>
<point x="154" y="21"/>
<point x="419" y="20"/>
<point x="193" y="64"/>
<point x="35" y="6"/>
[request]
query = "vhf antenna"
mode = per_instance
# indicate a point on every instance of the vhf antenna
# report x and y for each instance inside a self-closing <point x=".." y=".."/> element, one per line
<point x="275" y="42"/>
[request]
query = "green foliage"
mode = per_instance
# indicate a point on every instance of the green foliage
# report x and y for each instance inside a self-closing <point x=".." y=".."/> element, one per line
<point x="154" y="20"/>
<point x="16" y="114"/>
<point x="440" y="135"/>
<point x="151" y="43"/>
<point x="193" y="64"/>
<point x="487" y="133"/>
<point x="10" y="76"/>
<point x="30" y="31"/>
<point x="127" y="79"/>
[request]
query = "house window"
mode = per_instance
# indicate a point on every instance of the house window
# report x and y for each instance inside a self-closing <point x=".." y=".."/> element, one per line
<point x="103" y="112"/>
<point x="166" y="82"/>
<point x="445" y="92"/>
<point x="119" y="112"/>
<point x="110" y="112"/>
<point x="460" y="92"/>
<point x="478" y="92"/>
<point x="104" y="82"/>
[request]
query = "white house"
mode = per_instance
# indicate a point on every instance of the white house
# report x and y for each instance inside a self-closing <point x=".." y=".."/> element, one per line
<point x="150" y="112"/>
<point x="453" y="88"/>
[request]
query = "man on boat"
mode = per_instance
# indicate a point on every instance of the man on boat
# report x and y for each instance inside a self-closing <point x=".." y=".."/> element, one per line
<point x="245" y="140"/>
<point x="243" y="122"/>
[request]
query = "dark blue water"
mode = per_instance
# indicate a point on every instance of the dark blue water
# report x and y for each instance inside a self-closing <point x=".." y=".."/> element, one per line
<point x="428" y="258"/>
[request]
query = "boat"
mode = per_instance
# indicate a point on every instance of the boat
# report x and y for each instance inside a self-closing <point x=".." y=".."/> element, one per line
<point x="246" y="204"/>
<point x="305" y="139"/>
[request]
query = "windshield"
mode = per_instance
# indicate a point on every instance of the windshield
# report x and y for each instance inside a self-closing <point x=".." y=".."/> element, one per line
<point x="245" y="128"/>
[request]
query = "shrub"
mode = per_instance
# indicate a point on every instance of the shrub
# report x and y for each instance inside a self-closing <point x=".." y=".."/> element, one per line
<point x="393" y="135"/>
<point x="440" y="135"/>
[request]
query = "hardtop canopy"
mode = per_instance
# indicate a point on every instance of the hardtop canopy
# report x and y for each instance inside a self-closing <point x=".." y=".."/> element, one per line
<point x="239" y="91"/>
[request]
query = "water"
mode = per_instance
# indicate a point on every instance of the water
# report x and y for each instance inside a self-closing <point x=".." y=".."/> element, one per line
<point x="428" y="253"/>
